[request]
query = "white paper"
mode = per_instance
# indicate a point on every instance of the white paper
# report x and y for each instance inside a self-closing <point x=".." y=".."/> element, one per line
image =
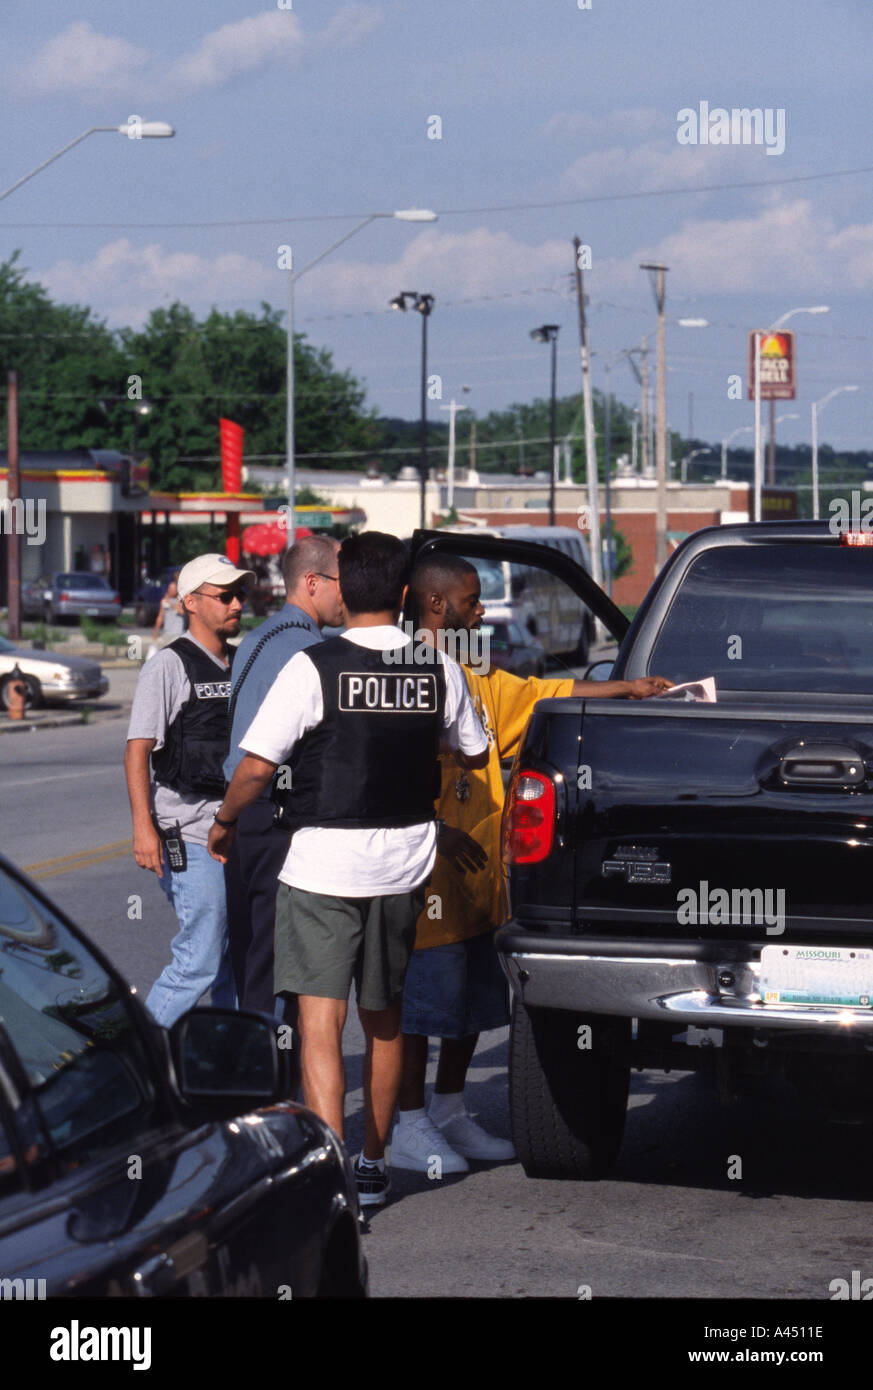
<point x="702" y="691"/>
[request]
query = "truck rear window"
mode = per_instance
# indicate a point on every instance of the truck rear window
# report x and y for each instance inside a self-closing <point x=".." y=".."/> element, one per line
<point x="793" y="617"/>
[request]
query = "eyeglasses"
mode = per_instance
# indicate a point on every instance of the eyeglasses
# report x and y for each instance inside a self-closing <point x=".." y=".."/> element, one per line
<point x="334" y="577"/>
<point x="224" y="596"/>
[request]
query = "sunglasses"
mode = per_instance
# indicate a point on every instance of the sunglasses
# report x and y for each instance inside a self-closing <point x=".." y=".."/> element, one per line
<point x="225" y="596"/>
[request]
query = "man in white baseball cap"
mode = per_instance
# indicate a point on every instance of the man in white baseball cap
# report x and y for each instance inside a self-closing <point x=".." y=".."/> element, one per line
<point x="179" y="731"/>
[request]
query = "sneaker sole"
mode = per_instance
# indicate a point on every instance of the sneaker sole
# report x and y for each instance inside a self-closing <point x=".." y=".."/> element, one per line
<point x="419" y="1165"/>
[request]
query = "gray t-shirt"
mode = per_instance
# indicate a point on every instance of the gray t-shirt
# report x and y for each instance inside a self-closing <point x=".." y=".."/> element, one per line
<point x="174" y="618"/>
<point x="161" y="691"/>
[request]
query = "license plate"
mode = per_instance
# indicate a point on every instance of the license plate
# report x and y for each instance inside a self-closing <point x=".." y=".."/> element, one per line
<point x="839" y="976"/>
<point x="92" y="612"/>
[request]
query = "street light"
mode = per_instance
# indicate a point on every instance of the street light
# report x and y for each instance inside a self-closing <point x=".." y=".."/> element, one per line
<point x="422" y="304"/>
<point x="695" y="453"/>
<point x="658" y="271"/>
<point x="816" y="407"/>
<point x="404" y="215"/>
<point x="759" y="455"/>
<point x="453" y="407"/>
<point x="743" y="429"/>
<point x="135" y="129"/>
<point x="548" y="333"/>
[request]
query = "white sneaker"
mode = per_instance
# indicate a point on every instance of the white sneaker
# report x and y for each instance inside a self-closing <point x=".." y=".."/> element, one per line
<point x="471" y="1140"/>
<point x="415" y="1147"/>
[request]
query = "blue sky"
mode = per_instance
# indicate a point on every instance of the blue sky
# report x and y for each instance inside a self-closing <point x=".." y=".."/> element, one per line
<point x="320" y="113"/>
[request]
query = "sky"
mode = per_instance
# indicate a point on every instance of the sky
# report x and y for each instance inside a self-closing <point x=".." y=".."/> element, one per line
<point x="296" y="120"/>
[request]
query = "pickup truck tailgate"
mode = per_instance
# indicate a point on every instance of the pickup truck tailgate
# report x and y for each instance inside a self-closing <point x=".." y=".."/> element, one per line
<point x="708" y="819"/>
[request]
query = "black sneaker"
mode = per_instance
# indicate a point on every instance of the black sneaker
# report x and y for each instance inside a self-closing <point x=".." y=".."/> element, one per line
<point x="373" y="1184"/>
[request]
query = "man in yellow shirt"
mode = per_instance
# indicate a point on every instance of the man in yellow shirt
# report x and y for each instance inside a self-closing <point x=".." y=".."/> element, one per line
<point x="454" y="987"/>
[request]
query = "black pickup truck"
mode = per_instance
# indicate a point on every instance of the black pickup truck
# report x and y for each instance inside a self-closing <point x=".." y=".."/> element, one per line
<point x="691" y="883"/>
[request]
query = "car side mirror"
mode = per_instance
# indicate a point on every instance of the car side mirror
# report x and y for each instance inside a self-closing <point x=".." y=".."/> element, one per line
<point x="599" y="671"/>
<point x="228" y="1060"/>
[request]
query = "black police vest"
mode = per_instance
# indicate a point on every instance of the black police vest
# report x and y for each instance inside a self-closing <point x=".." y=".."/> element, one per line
<point x="197" y="740"/>
<point x="374" y="758"/>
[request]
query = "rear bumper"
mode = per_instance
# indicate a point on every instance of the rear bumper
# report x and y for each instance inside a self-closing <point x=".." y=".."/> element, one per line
<point x="673" y="982"/>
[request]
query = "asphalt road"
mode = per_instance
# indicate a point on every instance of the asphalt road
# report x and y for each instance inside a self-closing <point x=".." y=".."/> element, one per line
<point x="669" y="1221"/>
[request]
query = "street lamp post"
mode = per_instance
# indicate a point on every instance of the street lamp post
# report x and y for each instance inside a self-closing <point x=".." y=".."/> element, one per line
<point x="695" y="453"/>
<point x="816" y="407"/>
<point x="743" y="429"/>
<point x="759" y="448"/>
<point x="453" y="407"/>
<point x="135" y="129"/>
<point x="404" y="215"/>
<point x="422" y="304"/>
<point x="548" y="333"/>
<point x="658" y="272"/>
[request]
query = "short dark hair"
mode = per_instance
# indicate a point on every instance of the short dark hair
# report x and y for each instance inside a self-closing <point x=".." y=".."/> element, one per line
<point x="373" y="569"/>
<point x="435" y="572"/>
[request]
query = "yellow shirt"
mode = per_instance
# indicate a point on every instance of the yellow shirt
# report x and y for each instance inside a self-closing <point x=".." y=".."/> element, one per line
<point x="472" y="902"/>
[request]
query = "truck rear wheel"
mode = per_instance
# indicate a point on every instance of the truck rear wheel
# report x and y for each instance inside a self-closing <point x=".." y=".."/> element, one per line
<point x="567" y="1101"/>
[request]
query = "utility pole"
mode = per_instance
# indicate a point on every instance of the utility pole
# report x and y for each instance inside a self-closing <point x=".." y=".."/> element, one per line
<point x="453" y="407"/>
<point x="590" y="441"/>
<point x="13" y="494"/>
<point x="472" y="463"/>
<point x="658" y="271"/>
<point x="771" y="453"/>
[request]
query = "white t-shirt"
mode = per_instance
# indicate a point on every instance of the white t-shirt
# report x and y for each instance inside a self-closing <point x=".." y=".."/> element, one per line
<point x="354" y="863"/>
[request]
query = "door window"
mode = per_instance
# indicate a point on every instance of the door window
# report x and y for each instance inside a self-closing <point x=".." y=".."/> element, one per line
<point x="70" y="1025"/>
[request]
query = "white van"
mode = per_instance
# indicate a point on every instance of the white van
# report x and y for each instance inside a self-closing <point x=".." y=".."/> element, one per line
<point x="540" y="601"/>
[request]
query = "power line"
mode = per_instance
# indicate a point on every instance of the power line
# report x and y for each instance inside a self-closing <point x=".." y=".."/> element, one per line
<point x="580" y="201"/>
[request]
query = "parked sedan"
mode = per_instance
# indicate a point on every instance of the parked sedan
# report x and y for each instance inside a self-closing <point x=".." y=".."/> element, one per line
<point x="48" y="676"/>
<point x="70" y="595"/>
<point x="514" y="649"/>
<point x="136" y="1160"/>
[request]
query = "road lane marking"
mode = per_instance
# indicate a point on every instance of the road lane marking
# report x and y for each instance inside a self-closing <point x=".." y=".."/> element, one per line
<point x="82" y="859"/>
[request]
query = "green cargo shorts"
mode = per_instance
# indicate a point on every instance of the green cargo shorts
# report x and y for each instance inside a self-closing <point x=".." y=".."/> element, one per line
<point x="322" y="943"/>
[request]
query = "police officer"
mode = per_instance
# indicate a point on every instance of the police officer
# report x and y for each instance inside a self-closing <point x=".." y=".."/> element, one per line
<point x="179" y="723"/>
<point x="360" y="720"/>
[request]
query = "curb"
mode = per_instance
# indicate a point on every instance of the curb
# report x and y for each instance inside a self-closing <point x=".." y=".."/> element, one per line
<point x="61" y="720"/>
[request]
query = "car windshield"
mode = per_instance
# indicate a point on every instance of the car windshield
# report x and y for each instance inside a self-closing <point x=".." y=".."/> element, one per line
<point x="81" y="581"/>
<point x="491" y="579"/>
<point x="792" y="617"/>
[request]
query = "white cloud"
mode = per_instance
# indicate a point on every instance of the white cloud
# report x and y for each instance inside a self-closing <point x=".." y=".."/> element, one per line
<point x="123" y="282"/>
<point x="789" y="246"/>
<point x="350" y="26"/>
<point x="450" y="265"/>
<point x="640" y="120"/>
<point x="786" y="248"/>
<point x="656" y="165"/>
<point x="92" y="65"/>
<point x="82" y="62"/>
<point x="259" y="41"/>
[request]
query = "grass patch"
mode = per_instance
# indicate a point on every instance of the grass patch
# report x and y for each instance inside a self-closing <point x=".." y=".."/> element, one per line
<point x="629" y="610"/>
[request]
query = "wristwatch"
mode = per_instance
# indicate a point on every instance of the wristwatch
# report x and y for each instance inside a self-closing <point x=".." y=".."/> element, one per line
<point x="225" y="824"/>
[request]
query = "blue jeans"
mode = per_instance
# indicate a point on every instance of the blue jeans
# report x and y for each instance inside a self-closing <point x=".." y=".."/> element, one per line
<point x="200" y="956"/>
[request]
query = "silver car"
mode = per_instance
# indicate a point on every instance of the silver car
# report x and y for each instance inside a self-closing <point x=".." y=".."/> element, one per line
<point x="70" y="595"/>
<point x="48" y="676"/>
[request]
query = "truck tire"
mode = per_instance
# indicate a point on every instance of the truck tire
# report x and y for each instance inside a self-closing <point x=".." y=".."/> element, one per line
<point x="567" y="1104"/>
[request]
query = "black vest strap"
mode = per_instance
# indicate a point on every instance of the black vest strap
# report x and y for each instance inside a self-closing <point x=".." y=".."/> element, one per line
<point x="196" y="743"/>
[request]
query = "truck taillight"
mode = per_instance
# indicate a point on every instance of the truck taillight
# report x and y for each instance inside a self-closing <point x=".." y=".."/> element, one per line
<point x="529" y="826"/>
<point x="65" y="596"/>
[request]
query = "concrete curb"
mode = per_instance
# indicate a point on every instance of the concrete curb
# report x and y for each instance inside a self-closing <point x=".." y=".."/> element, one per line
<point x="61" y="720"/>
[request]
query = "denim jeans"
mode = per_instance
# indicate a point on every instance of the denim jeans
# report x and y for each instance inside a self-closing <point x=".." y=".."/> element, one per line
<point x="200" y="956"/>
